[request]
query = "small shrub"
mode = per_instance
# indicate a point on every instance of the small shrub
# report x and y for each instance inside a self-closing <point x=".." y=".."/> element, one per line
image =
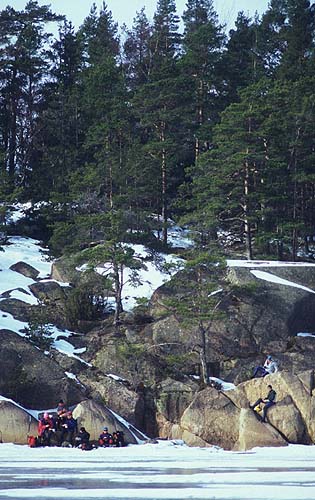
<point x="40" y="334"/>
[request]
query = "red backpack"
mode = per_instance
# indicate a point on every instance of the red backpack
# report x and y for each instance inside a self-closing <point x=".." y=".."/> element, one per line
<point x="32" y="441"/>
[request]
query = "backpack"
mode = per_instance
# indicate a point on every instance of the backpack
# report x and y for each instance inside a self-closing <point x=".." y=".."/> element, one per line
<point x="32" y="441"/>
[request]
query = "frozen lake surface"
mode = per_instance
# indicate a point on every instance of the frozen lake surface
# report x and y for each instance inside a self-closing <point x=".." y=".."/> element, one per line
<point x="157" y="471"/>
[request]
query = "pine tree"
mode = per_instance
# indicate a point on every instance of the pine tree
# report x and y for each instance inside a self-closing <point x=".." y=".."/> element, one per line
<point x="227" y="183"/>
<point x="137" y="51"/>
<point x="157" y="105"/>
<point x="242" y="64"/>
<point x="289" y="159"/>
<point x="202" y="45"/>
<point x="61" y="130"/>
<point x="288" y="36"/>
<point x="104" y="107"/>
<point x="197" y="294"/>
<point x="256" y="186"/>
<point x="24" y="68"/>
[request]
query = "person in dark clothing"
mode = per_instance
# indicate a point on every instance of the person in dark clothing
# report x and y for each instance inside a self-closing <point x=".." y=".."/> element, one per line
<point x="61" y="415"/>
<point x="105" y="439"/>
<point x="118" y="439"/>
<point x="268" y="401"/>
<point x="61" y="408"/>
<point x="68" y="428"/>
<point x="82" y="440"/>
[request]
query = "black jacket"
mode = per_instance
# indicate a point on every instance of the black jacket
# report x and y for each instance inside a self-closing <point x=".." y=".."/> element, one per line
<point x="271" y="396"/>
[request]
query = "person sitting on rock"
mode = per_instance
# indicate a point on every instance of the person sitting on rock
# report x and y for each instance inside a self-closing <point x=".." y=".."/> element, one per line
<point x="118" y="439"/>
<point x="62" y="413"/>
<point x="82" y="440"/>
<point x="268" y="401"/>
<point x="270" y="366"/>
<point x="105" y="439"/>
<point x="45" y="429"/>
<point x="68" y="428"/>
<point x="61" y="407"/>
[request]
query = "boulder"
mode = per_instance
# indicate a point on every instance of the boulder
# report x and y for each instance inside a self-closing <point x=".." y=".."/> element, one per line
<point x="54" y="298"/>
<point x="94" y="416"/>
<point x="48" y="292"/>
<point x="212" y="417"/>
<point x="119" y="397"/>
<point x="112" y="353"/>
<point x="32" y="378"/>
<point x="253" y="433"/>
<point x="64" y="270"/>
<point x="15" y="423"/>
<point x="293" y="408"/>
<point x="287" y="419"/>
<point x="224" y="418"/>
<point x="18" y="309"/>
<point x="190" y="439"/>
<point x="171" y="337"/>
<point x="174" y="397"/>
<point x="25" y="269"/>
<point x="261" y="317"/>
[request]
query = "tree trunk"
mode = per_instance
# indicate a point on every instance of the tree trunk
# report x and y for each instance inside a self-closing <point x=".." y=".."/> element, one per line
<point x="200" y="114"/>
<point x="118" y="281"/>
<point x="247" y="225"/>
<point x="12" y="140"/>
<point x="164" y="186"/>
<point x="203" y="356"/>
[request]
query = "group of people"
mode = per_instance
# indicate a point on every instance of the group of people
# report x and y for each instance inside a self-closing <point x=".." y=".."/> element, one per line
<point x="63" y="426"/>
<point x="262" y="405"/>
<point x="116" y="439"/>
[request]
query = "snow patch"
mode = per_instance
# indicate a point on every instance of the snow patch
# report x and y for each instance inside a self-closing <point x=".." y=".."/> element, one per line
<point x="266" y="263"/>
<point x="151" y="277"/>
<point x="280" y="281"/>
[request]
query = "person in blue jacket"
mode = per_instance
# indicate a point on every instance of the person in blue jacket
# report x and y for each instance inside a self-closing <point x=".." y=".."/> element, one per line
<point x="105" y="438"/>
<point x="68" y="429"/>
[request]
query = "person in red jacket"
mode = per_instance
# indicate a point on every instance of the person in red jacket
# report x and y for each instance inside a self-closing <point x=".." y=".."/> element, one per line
<point x="45" y="429"/>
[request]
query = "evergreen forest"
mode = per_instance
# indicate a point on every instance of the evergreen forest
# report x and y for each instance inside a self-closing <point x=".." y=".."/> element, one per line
<point x="118" y="131"/>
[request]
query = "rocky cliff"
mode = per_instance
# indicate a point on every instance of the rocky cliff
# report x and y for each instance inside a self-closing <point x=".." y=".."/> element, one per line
<point x="225" y="419"/>
<point x="146" y="369"/>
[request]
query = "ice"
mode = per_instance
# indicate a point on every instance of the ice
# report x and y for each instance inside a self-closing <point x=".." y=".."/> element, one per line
<point x="166" y="471"/>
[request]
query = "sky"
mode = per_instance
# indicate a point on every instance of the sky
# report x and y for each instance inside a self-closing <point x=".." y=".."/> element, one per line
<point x="124" y="10"/>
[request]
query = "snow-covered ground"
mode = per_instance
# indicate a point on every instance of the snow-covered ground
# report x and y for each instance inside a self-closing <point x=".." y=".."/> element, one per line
<point x="16" y="285"/>
<point x="266" y="263"/>
<point x="257" y="265"/>
<point x="151" y="277"/>
<point x="167" y="471"/>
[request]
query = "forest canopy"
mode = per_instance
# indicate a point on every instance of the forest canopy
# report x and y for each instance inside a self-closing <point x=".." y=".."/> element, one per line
<point x="119" y="131"/>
